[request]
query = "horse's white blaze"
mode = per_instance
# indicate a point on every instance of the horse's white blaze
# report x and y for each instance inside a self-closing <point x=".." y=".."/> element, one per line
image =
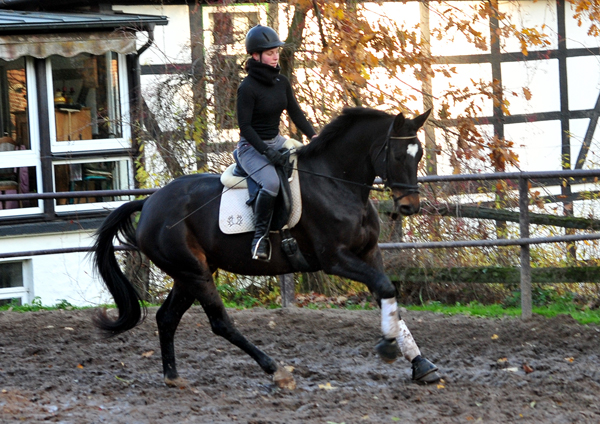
<point x="389" y="318"/>
<point x="407" y="343"/>
<point x="412" y="149"/>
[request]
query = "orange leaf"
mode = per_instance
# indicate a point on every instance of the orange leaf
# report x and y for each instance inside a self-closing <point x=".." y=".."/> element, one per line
<point x="527" y="368"/>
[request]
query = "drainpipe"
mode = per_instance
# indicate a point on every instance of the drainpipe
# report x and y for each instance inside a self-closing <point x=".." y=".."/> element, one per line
<point x="149" y="42"/>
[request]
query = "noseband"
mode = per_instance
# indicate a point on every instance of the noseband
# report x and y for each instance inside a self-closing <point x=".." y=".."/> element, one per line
<point x="408" y="189"/>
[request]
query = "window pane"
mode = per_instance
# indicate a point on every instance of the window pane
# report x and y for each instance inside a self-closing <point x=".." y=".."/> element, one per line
<point x="17" y="181"/>
<point x="14" y="134"/>
<point x="86" y="97"/>
<point x="92" y="176"/>
<point x="11" y="275"/>
<point x="16" y="301"/>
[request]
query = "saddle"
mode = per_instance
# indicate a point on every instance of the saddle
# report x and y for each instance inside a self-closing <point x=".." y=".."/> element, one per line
<point x="236" y="214"/>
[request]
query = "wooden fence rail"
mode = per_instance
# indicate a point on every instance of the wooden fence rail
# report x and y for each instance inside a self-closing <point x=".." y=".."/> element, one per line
<point x="496" y="275"/>
<point x="525" y="219"/>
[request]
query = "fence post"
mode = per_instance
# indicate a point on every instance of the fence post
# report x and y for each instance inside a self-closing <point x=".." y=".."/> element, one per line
<point x="288" y="291"/>
<point x="526" y="310"/>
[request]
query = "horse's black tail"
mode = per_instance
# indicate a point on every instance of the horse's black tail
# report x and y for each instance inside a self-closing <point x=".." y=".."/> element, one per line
<point x="131" y="313"/>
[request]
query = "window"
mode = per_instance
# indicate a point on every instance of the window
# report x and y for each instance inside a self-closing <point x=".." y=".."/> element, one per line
<point x="89" y="100"/>
<point x="231" y="27"/>
<point x="12" y="282"/>
<point x="88" y="104"/>
<point x="17" y="181"/>
<point x="14" y="134"/>
<point x="19" y="154"/>
<point x="91" y="175"/>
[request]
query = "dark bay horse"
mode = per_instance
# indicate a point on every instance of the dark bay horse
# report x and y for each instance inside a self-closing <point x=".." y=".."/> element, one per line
<point x="338" y="233"/>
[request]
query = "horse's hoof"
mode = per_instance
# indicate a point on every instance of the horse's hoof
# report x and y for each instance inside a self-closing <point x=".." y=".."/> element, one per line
<point x="177" y="382"/>
<point x="387" y="349"/>
<point x="284" y="379"/>
<point x="424" y="371"/>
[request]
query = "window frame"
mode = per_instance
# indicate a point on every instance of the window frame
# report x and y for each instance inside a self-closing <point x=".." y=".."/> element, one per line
<point x="103" y="144"/>
<point x="24" y="292"/>
<point x="31" y="157"/>
<point x="93" y="206"/>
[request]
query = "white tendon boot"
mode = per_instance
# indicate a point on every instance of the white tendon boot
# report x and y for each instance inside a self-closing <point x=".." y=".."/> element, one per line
<point x="407" y="343"/>
<point x="423" y="370"/>
<point x="389" y="319"/>
<point x="387" y="348"/>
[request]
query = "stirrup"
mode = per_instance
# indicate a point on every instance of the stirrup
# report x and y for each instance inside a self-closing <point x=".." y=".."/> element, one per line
<point x="257" y="245"/>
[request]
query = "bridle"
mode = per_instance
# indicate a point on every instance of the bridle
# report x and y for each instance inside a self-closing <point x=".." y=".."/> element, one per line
<point x="407" y="189"/>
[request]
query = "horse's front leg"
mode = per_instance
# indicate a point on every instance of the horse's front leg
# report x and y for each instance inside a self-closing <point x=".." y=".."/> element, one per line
<point x="396" y="335"/>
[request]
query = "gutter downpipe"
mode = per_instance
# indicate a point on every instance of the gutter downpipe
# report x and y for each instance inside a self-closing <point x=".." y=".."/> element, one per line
<point x="149" y="42"/>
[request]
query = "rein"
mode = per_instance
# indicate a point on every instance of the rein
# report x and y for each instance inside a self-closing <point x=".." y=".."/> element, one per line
<point x="329" y="177"/>
<point x="407" y="188"/>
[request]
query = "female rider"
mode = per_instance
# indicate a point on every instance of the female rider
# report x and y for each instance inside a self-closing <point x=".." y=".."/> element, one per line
<point x="261" y="99"/>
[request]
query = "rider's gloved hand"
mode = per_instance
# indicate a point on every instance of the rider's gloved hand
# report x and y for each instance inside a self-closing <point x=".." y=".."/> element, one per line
<point x="275" y="157"/>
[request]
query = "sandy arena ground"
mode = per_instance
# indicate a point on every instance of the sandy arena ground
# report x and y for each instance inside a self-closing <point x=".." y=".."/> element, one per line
<point x="55" y="367"/>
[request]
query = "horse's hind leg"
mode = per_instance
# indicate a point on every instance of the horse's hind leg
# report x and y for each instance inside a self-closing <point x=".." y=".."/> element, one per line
<point x="168" y="318"/>
<point x="222" y="325"/>
<point x="202" y="287"/>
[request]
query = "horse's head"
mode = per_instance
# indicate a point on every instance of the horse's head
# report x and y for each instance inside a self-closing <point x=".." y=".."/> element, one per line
<point x="402" y="152"/>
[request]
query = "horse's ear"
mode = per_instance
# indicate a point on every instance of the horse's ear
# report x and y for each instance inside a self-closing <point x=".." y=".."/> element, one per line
<point x="420" y="120"/>
<point x="399" y="122"/>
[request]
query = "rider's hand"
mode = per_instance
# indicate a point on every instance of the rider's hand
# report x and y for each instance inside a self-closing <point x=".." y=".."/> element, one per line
<point x="275" y="157"/>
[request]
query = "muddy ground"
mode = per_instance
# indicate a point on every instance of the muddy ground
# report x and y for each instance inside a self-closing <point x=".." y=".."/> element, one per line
<point x="55" y="367"/>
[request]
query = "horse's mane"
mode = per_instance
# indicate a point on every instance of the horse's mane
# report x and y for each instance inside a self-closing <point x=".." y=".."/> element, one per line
<point x="338" y="127"/>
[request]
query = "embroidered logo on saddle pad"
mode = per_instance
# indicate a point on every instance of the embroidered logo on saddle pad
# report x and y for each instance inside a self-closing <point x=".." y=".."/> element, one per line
<point x="235" y="216"/>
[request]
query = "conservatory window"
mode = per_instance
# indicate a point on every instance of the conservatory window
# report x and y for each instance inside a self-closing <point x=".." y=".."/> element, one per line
<point x="92" y="175"/>
<point x="87" y="98"/>
<point x="18" y="180"/>
<point x="14" y="134"/>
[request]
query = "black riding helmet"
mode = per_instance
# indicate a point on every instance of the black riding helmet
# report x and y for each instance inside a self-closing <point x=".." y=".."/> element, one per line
<point x="261" y="38"/>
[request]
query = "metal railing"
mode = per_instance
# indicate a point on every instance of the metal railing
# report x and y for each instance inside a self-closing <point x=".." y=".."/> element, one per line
<point x="524" y="241"/>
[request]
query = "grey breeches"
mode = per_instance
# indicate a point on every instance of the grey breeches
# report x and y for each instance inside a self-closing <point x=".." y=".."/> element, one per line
<point x="258" y="166"/>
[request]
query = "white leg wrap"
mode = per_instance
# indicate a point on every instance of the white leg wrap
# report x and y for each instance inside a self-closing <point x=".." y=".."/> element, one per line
<point x="407" y="343"/>
<point x="389" y="318"/>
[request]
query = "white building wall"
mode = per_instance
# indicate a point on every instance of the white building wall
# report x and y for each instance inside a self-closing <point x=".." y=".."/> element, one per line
<point x="54" y="278"/>
<point x="172" y="41"/>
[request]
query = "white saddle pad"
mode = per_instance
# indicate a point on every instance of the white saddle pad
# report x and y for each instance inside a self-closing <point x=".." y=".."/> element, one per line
<point x="235" y="216"/>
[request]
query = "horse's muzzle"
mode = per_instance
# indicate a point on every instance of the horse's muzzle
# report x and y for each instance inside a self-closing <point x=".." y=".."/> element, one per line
<point x="405" y="204"/>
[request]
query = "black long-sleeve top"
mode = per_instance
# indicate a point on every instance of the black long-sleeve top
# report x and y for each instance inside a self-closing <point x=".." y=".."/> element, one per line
<point x="261" y="99"/>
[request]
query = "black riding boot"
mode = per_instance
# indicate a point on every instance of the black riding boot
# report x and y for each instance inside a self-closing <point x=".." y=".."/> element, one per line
<point x="263" y="212"/>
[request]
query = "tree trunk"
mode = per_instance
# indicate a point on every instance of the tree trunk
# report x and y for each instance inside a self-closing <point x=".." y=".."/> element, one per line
<point x="137" y="270"/>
